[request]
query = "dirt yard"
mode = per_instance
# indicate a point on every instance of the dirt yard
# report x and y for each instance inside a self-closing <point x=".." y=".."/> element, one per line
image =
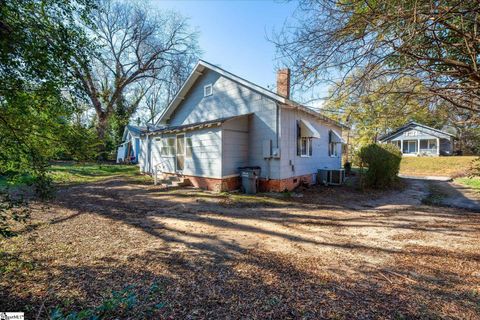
<point x="332" y="253"/>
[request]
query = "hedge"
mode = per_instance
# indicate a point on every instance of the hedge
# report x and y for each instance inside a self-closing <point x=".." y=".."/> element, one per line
<point x="383" y="163"/>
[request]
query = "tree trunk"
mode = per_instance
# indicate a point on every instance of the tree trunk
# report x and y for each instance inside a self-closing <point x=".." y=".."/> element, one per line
<point x="102" y="126"/>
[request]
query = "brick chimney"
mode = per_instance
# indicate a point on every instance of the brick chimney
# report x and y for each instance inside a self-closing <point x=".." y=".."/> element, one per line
<point x="283" y="83"/>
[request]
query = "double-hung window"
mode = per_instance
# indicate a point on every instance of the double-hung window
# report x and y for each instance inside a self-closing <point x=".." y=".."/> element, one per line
<point x="333" y="143"/>
<point x="304" y="144"/>
<point x="306" y="147"/>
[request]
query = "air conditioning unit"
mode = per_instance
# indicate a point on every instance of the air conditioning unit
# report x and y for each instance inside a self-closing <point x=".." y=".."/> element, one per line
<point x="336" y="177"/>
<point x="331" y="177"/>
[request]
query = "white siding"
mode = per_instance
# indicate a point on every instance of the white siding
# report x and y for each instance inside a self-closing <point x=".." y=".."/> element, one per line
<point x="305" y="165"/>
<point x="206" y="160"/>
<point x="235" y="144"/>
<point x="231" y="99"/>
<point x="142" y="155"/>
<point x="206" y="153"/>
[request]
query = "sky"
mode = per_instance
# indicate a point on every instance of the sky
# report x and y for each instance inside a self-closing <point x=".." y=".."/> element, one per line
<point x="233" y="34"/>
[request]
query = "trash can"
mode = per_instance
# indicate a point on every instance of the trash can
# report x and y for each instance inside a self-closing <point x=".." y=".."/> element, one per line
<point x="249" y="177"/>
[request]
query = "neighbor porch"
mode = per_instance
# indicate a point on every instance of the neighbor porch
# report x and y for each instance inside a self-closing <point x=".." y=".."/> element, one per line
<point x="418" y="147"/>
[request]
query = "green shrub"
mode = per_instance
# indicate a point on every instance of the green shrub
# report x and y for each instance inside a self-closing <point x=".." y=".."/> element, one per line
<point x="383" y="163"/>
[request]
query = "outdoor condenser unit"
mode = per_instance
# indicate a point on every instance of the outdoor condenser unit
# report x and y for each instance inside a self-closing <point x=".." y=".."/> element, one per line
<point x="331" y="177"/>
<point x="336" y="177"/>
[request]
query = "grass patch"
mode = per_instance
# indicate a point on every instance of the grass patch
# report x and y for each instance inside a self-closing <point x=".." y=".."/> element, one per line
<point x="7" y="182"/>
<point x="436" y="166"/>
<point x="473" y="182"/>
<point x="74" y="173"/>
<point x="68" y="173"/>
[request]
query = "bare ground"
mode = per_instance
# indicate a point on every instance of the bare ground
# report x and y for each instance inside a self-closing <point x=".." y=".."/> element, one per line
<point x="333" y="253"/>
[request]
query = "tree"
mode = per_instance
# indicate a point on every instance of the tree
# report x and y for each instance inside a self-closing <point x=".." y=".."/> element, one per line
<point x="134" y="45"/>
<point x="434" y="42"/>
<point x="161" y="93"/>
<point x="37" y="43"/>
<point x="371" y="114"/>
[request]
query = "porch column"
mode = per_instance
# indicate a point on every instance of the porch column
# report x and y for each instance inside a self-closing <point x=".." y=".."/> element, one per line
<point x="418" y="146"/>
<point x="438" y="146"/>
<point x="401" y="145"/>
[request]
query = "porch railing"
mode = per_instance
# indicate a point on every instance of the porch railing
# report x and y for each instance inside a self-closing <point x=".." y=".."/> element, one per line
<point x="428" y="151"/>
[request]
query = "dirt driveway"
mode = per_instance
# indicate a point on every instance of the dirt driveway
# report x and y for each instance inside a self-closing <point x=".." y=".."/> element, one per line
<point x="333" y="253"/>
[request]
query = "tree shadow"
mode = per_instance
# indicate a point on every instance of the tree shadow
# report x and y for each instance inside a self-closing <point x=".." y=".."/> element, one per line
<point x="215" y="277"/>
<point x="255" y="285"/>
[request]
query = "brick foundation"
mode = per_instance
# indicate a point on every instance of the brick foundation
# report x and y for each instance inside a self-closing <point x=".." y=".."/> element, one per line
<point x="276" y="185"/>
<point x="214" y="184"/>
<point x="234" y="183"/>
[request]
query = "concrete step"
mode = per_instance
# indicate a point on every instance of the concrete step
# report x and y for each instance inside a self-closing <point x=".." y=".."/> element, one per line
<point x="174" y="181"/>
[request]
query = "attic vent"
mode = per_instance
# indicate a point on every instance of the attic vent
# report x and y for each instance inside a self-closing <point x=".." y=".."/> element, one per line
<point x="207" y="90"/>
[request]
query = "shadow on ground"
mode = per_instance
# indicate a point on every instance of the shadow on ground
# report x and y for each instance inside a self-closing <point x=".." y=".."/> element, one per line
<point x="224" y="256"/>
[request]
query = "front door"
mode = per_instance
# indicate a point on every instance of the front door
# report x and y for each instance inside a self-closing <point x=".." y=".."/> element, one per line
<point x="180" y="153"/>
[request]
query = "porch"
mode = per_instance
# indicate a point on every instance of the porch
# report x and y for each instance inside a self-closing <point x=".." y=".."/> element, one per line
<point x="418" y="147"/>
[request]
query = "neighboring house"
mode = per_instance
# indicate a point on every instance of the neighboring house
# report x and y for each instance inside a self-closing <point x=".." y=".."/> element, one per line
<point x="129" y="149"/>
<point x="219" y="122"/>
<point x="415" y="139"/>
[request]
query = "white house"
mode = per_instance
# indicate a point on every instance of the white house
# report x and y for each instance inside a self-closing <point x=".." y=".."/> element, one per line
<point x="129" y="149"/>
<point x="416" y="139"/>
<point x="219" y="122"/>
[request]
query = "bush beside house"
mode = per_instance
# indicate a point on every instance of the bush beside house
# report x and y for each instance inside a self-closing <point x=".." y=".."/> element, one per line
<point x="383" y="163"/>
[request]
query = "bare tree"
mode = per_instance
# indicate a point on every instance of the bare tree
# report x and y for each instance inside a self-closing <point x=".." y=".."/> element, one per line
<point x="134" y="44"/>
<point x="159" y="94"/>
<point x="435" y="42"/>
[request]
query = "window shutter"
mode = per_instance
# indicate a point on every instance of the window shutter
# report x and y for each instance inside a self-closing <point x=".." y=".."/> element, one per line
<point x="299" y="140"/>
<point x="310" y="142"/>
<point x="330" y="143"/>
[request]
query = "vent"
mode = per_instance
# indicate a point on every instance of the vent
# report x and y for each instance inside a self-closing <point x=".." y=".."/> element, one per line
<point x="207" y="90"/>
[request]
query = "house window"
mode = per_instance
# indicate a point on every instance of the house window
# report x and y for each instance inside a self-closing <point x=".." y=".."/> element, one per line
<point x="333" y="141"/>
<point x="304" y="144"/>
<point x="306" y="147"/>
<point x="167" y="148"/>
<point x="189" y="148"/>
<point x="207" y="90"/>
<point x="332" y="149"/>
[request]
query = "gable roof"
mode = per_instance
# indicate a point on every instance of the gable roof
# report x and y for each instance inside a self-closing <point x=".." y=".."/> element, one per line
<point x="409" y="126"/>
<point x="198" y="71"/>
<point x="135" y="130"/>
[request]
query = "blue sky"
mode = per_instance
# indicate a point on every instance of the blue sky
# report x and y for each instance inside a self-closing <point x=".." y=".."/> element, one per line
<point x="233" y="33"/>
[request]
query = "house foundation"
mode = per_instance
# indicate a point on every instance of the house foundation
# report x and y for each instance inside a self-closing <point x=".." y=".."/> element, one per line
<point x="235" y="183"/>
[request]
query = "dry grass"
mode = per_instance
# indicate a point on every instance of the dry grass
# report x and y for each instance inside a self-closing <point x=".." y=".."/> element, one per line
<point x="436" y="166"/>
<point x="330" y="254"/>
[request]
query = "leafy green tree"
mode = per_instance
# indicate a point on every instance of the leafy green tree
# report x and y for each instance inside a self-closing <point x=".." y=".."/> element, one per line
<point x="37" y="44"/>
<point x="38" y="40"/>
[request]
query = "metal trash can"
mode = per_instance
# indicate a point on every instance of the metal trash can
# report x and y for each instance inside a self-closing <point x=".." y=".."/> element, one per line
<point x="249" y="177"/>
